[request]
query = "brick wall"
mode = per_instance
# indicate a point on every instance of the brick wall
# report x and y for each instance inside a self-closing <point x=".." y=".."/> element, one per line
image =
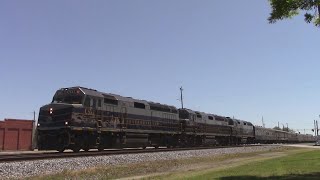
<point x="16" y="134"/>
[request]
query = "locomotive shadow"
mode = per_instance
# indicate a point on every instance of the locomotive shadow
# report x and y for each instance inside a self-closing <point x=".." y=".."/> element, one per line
<point x="315" y="175"/>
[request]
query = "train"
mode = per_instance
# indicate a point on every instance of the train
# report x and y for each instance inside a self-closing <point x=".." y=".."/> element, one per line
<point x="83" y="118"/>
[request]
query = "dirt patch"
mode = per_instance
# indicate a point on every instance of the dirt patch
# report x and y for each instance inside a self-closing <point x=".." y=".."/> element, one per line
<point x="215" y="165"/>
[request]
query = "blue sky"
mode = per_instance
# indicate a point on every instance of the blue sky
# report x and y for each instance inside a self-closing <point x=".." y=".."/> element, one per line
<point x="226" y="56"/>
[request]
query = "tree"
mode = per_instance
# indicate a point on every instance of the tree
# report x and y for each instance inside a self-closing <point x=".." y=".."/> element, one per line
<point x="283" y="9"/>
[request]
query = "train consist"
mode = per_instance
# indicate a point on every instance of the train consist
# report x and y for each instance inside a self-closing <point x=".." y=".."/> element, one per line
<point x="82" y="118"/>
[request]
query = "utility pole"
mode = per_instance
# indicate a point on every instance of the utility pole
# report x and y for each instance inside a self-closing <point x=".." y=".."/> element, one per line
<point x="319" y="115"/>
<point x="278" y="125"/>
<point x="263" y="122"/>
<point x="181" y="97"/>
<point x="34" y="141"/>
<point x="315" y="128"/>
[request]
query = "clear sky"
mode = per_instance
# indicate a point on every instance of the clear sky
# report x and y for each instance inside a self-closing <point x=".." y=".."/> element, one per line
<point x="226" y="56"/>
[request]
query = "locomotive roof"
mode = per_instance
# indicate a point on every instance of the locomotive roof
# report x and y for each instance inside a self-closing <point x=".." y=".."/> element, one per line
<point x="202" y="113"/>
<point x="93" y="92"/>
<point x="90" y="92"/>
<point x="164" y="107"/>
<point x="249" y="123"/>
<point x="219" y="116"/>
<point x="161" y="106"/>
<point x="188" y="110"/>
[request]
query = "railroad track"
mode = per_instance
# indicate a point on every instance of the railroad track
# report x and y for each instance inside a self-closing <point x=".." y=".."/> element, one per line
<point x="53" y="155"/>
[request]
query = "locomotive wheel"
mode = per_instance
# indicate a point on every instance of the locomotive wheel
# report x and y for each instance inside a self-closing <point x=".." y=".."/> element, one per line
<point x="100" y="148"/>
<point x="76" y="149"/>
<point x="86" y="149"/>
<point x="85" y="144"/>
<point x="61" y="143"/>
<point x="77" y="144"/>
<point x="61" y="149"/>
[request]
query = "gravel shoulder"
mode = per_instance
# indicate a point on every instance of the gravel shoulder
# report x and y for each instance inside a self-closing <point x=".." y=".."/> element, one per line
<point x="53" y="166"/>
<point x="208" y="166"/>
<point x="309" y="145"/>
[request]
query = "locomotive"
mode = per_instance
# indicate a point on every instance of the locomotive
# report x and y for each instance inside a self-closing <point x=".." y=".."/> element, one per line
<point x="82" y="118"/>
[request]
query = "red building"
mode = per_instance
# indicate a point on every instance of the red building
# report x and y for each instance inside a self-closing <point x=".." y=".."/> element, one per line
<point x="16" y="134"/>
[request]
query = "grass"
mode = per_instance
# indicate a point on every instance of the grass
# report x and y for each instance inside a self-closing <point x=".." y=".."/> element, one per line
<point x="302" y="164"/>
<point x="243" y="165"/>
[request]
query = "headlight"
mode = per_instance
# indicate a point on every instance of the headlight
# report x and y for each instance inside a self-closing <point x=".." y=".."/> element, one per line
<point x="66" y="123"/>
<point x="38" y="124"/>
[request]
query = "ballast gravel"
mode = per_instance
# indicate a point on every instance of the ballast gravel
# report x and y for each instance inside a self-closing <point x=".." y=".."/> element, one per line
<point x="40" y="167"/>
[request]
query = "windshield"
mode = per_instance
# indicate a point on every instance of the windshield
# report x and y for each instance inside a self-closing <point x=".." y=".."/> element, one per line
<point x="70" y="99"/>
<point x="68" y="96"/>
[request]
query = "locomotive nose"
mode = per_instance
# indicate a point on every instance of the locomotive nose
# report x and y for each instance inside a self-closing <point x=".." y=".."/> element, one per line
<point x="54" y="114"/>
<point x="52" y="109"/>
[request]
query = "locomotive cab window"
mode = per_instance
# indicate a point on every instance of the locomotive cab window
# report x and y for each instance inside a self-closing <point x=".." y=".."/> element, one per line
<point x="110" y="101"/>
<point x="87" y="101"/>
<point x="93" y="103"/>
<point x="220" y="119"/>
<point x="210" y="117"/>
<point x="230" y="122"/>
<point x="67" y="98"/>
<point x="183" y="114"/>
<point x="99" y="102"/>
<point x="156" y="107"/>
<point x="174" y="111"/>
<point x="139" y="105"/>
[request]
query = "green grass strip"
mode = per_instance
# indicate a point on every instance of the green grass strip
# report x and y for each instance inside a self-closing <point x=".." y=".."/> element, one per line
<point x="303" y="165"/>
